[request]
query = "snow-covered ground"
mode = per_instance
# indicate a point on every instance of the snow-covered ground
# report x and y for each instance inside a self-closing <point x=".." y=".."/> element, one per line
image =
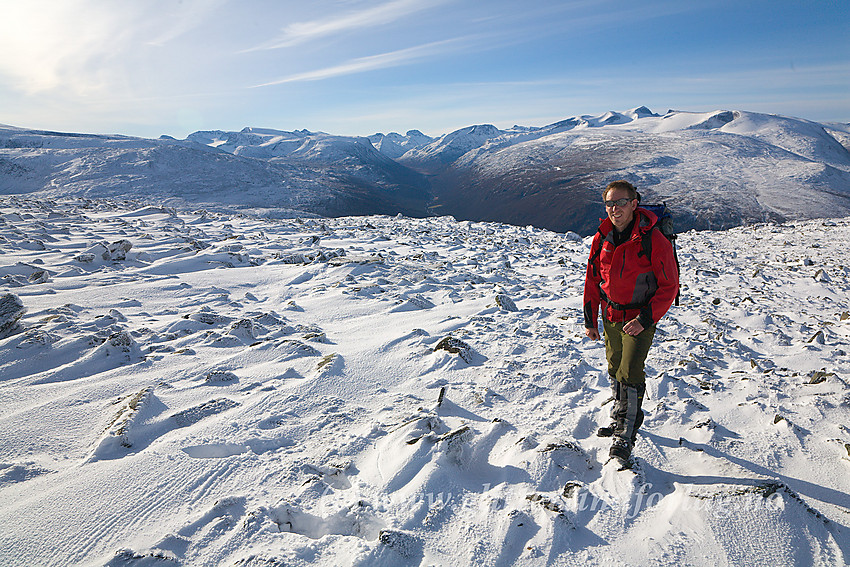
<point x="205" y="389"/>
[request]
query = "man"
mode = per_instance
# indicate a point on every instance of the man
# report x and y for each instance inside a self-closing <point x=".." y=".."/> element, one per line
<point x="632" y="275"/>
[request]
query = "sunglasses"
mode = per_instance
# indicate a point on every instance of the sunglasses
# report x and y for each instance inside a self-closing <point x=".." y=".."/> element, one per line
<point x="619" y="202"/>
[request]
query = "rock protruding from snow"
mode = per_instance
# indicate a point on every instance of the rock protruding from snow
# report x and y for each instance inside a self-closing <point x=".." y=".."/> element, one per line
<point x="106" y="252"/>
<point x="195" y="414"/>
<point x="117" y="433"/>
<point x="456" y="346"/>
<point x="11" y="311"/>
<point x="118" y="250"/>
<point x="505" y="303"/>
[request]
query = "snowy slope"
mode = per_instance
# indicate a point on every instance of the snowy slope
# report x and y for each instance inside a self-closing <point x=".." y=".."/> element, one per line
<point x="198" y="388"/>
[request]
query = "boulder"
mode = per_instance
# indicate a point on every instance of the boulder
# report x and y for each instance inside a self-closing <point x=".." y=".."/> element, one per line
<point x="456" y="346"/>
<point x="11" y="311"/>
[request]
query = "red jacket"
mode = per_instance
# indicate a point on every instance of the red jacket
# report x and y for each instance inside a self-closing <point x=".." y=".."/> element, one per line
<point x="625" y="280"/>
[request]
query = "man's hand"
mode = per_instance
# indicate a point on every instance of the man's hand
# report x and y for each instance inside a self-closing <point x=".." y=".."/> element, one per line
<point x="592" y="333"/>
<point x="633" y="328"/>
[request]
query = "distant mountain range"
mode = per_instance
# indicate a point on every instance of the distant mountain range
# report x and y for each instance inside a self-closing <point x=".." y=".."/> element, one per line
<point x="715" y="170"/>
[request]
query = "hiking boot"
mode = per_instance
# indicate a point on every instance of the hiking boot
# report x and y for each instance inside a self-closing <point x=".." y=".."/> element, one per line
<point x="609" y="430"/>
<point x="620" y="449"/>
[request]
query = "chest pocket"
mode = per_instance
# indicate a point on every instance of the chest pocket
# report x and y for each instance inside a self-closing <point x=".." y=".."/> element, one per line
<point x="609" y="261"/>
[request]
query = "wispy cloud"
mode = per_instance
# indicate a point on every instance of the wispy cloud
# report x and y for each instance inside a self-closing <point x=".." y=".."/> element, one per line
<point x="383" y="14"/>
<point x="374" y="62"/>
<point x="175" y="19"/>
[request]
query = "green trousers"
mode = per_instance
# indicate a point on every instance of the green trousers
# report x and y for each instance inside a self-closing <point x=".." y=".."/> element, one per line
<point x="626" y="354"/>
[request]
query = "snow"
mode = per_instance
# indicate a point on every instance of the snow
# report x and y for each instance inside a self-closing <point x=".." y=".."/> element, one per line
<point x="206" y="388"/>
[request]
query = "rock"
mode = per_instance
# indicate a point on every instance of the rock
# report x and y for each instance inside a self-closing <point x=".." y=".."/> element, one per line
<point x="37" y="338"/>
<point x="11" y="311"/>
<point x="456" y="346"/>
<point x="819" y="376"/>
<point x="39" y="277"/>
<point x="245" y="329"/>
<point x="316" y="336"/>
<point x="122" y="346"/>
<point x="331" y="363"/>
<point x="208" y="317"/>
<point x="107" y="252"/>
<point x="505" y="303"/>
<point x="124" y="418"/>
<point x="406" y="545"/>
<point x="220" y="376"/>
<point x="571" y="488"/>
<point x="545" y="501"/>
<point x="195" y="414"/>
<point x="122" y="341"/>
<point x="118" y="250"/>
<point x="130" y="557"/>
<point x="822" y="276"/>
<point x="314" y="256"/>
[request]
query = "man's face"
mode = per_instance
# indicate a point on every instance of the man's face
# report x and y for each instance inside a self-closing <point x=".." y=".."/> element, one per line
<point x="620" y="216"/>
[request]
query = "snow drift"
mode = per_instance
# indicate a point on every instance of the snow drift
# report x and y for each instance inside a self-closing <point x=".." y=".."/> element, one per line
<point x="392" y="391"/>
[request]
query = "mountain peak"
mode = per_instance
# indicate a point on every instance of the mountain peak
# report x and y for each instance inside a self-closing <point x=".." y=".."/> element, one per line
<point x="642" y="112"/>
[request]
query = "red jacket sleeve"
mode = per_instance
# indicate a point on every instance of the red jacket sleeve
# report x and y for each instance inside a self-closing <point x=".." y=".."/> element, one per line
<point x="592" y="278"/>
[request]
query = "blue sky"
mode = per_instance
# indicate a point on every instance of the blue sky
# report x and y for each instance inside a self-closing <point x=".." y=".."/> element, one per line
<point x="356" y="67"/>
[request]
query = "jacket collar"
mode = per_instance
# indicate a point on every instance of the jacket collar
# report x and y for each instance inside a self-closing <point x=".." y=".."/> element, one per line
<point x="644" y="221"/>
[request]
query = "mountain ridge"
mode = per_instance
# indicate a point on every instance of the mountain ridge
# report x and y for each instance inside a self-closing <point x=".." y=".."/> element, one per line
<point x="717" y="169"/>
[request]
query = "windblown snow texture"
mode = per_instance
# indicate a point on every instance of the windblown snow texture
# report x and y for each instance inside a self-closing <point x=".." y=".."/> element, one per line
<point x="200" y="388"/>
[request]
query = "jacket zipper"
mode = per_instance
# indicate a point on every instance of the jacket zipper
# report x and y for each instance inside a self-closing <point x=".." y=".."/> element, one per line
<point x="623" y="265"/>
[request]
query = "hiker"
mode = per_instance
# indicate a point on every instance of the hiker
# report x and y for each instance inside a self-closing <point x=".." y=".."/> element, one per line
<point x="633" y="276"/>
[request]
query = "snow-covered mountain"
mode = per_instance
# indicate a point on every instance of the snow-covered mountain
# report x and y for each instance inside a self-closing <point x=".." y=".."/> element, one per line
<point x="277" y="173"/>
<point x="714" y="169"/>
<point x="395" y="145"/>
<point x="472" y="141"/>
<point x="195" y="388"/>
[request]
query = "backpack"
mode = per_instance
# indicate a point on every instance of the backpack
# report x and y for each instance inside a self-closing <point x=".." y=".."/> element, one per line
<point x="665" y="225"/>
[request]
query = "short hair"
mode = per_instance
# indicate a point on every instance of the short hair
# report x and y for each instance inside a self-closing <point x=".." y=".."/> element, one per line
<point x="621" y="184"/>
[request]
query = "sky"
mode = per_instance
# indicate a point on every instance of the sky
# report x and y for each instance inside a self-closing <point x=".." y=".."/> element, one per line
<point x="357" y="67"/>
